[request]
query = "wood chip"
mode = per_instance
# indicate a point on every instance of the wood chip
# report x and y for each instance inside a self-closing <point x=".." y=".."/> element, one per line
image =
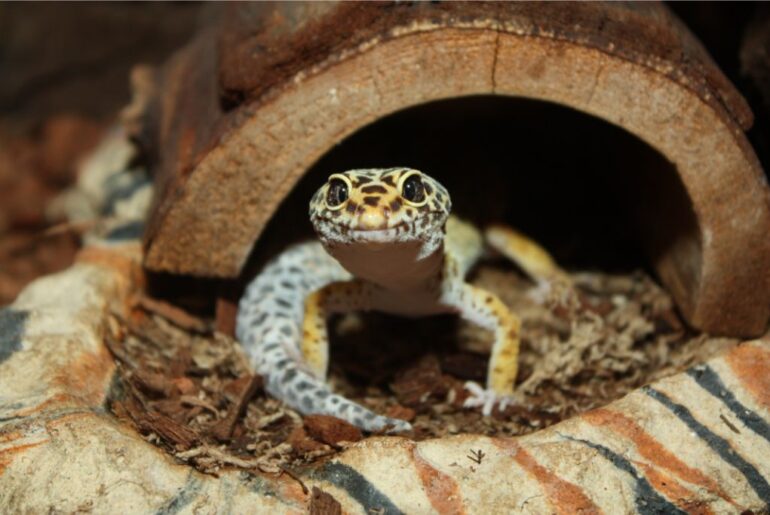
<point x="171" y="432"/>
<point x="322" y="503"/>
<point x="400" y="412"/>
<point x="331" y="430"/>
<point x="223" y="429"/>
<point x="418" y="384"/>
<point x="173" y="314"/>
<point x="301" y="442"/>
<point x="152" y="383"/>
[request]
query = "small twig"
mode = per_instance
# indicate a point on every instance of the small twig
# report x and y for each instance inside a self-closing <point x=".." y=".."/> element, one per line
<point x="78" y="228"/>
<point x="729" y="424"/>
<point x="476" y="456"/>
<point x="116" y="349"/>
<point x="223" y="429"/>
<point x="173" y="314"/>
<point x="295" y="477"/>
<point x="194" y="401"/>
<point x="222" y="457"/>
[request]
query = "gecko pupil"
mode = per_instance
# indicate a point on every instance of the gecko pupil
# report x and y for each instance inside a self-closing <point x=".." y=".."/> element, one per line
<point x="413" y="189"/>
<point x="338" y="192"/>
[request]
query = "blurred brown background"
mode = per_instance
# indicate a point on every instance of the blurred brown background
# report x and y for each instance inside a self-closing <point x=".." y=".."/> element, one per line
<point x="64" y="76"/>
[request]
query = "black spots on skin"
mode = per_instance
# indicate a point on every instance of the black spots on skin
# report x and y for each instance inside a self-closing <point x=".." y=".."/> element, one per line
<point x="321" y="393"/>
<point x="372" y="200"/>
<point x="307" y="403"/>
<point x="370" y="416"/>
<point x="344" y="407"/>
<point x="265" y="290"/>
<point x="351" y="207"/>
<point x="361" y="180"/>
<point x="289" y="375"/>
<point x="287" y="285"/>
<point x="283" y="303"/>
<point x="259" y="320"/>
<point x="410" y="211"/>
<point x="270" y="347"/>
<point x="281" y="364"/>
<point x="428" y="188"/>
<point x="303" y="385"/>
<point x="335" y="400"/>
<point x="295" y="270"/>
<point x="395" y="205"/>
<point x="374" y="188"/>
<point x="286" y="330"/>
<point x="388" y="180"/>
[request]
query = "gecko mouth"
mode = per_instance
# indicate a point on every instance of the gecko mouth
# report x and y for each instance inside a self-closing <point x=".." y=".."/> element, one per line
<point x="407" y="230"/>
<point x="361" y="233"/>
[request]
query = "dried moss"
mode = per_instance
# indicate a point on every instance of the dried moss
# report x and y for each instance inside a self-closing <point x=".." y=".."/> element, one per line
<point x="584" y="345"/>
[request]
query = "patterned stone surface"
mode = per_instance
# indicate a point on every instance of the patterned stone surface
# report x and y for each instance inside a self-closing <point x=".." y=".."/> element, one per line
<point x="695" y="442"/>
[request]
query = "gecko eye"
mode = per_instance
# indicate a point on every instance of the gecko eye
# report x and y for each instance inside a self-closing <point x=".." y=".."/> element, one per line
<point x="413" y="190"/>
<point x="337" y="193"/>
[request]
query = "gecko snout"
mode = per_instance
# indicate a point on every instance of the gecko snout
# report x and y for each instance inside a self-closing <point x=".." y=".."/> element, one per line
<point x="372" y="219"/>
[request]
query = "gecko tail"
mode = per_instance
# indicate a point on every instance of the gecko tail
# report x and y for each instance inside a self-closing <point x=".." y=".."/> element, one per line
<point x="311" y="396"/>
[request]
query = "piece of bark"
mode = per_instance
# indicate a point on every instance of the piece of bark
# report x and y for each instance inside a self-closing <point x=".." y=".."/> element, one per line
<point x="223" y="429"/>
<point x="331" y="430"/>
<point x="173" y="314"/>
<point x="301" y="442"/>
<point x="323" y="503"/>
<point x="173" y="433"/>
<point x="152" y="383"/>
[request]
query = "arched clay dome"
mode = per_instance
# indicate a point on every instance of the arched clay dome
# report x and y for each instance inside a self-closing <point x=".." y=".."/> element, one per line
<point x="244" y="111"/>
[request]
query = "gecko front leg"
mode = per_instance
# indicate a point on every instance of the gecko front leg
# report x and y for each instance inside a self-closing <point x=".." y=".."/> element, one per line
<point x="488" y="311"/>
<point x="336" y="297"/>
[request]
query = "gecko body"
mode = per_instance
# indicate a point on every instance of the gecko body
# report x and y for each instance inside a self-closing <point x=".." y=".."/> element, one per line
<point x="388" y="243"/>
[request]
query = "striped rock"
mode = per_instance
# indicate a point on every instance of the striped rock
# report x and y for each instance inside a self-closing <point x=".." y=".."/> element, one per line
<point x="695" y="442"/>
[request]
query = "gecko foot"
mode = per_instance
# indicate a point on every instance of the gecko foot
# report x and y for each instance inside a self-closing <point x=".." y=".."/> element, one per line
<point x="541" y="292"/>
<point x="486" y="398"/>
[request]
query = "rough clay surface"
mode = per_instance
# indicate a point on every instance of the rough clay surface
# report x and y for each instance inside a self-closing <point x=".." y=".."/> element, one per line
<point x="692" y="441"/>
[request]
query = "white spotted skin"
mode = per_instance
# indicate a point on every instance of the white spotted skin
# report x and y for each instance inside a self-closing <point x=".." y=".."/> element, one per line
<point x="387" y="243"/>
<point x="269" y="326"/>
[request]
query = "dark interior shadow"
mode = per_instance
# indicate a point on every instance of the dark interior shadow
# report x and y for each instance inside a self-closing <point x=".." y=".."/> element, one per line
<point x="593" y="194"/>
<point x="585" y="189"/>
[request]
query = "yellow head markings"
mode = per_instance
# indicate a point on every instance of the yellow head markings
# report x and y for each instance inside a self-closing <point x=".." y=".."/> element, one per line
<point x="385" y="204"/>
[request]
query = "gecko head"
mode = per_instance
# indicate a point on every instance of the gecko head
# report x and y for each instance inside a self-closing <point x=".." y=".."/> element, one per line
<point x="381" y="206"/>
